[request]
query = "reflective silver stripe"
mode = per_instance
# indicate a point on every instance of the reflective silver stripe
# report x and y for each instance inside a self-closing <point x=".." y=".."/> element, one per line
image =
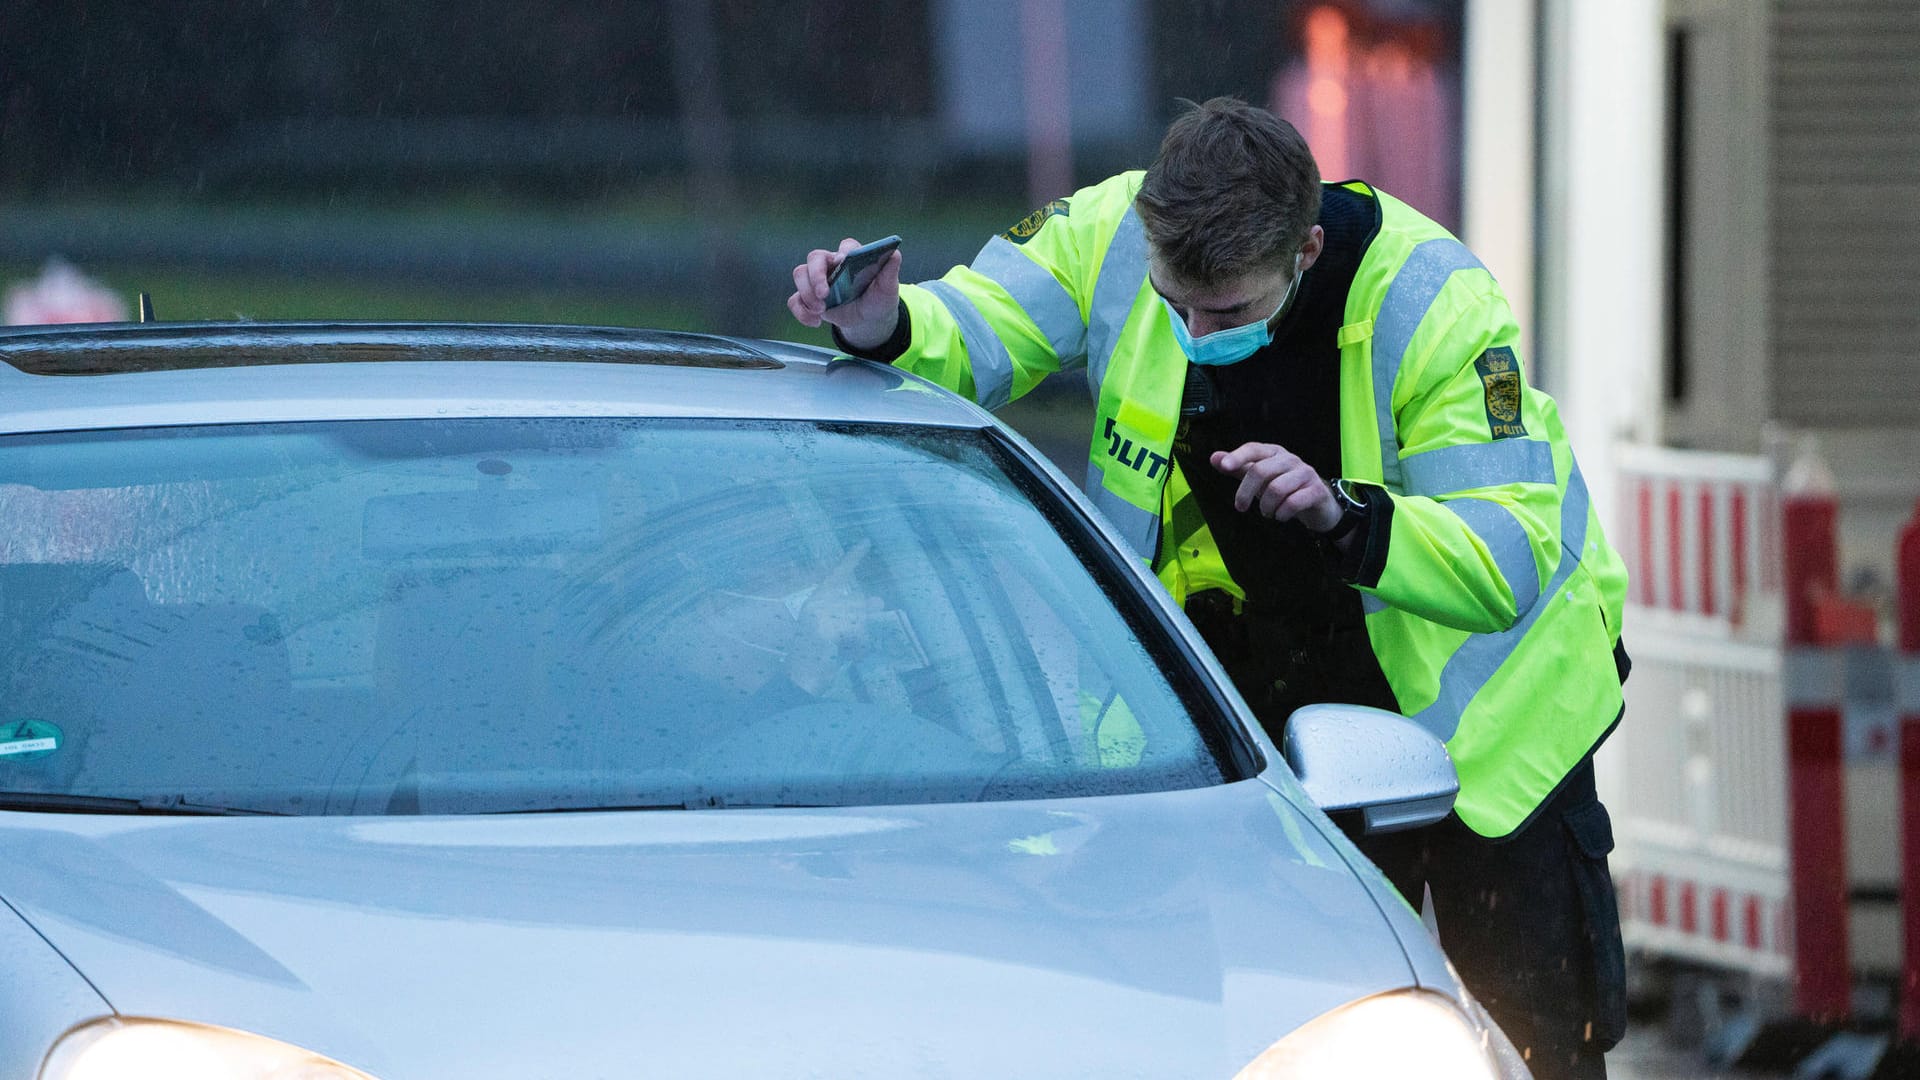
<point x="1114" y="292"/>
<point x="1506" y="541"/>
<point x="1138" y="527"/>
<point x="1040" y="295"/>
<point x="1478" y="465"/>
<point x="986" y="353"/>
<point x="1474" y="663"/>
<point x="1413" y="291"/>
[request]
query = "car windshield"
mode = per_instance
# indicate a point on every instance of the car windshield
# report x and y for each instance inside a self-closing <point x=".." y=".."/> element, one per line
<point x="500" y="615"/>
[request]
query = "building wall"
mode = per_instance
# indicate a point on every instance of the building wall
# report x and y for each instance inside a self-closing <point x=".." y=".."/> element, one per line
<point x="1844" y="156"/>
<point x="1715" y="379"/>
<point x="1795" y="209"/>
<point x="1726" y="247"/>
<point x="1844" y="296"/>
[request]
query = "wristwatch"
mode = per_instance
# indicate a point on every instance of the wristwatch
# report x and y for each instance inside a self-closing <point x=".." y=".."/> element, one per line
<point x="1352" y="501"/>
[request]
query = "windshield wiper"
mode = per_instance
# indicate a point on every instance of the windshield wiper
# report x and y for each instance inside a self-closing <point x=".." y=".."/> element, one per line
<point x="702" y="803"/>
<point x="107" y="804"/>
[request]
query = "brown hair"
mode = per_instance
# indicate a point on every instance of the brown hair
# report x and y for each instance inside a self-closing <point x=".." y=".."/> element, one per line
<point x="1233" y="190"/>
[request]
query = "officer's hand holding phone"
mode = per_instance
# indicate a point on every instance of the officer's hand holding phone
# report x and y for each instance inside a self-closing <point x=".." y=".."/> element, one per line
<point x="869" y="318"/>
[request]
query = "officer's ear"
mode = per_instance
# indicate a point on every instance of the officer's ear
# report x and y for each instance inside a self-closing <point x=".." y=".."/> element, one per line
<point x="1309" y="251"/>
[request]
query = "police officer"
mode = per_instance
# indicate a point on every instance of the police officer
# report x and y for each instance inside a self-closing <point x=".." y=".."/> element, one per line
<point x="1310" y="416"/>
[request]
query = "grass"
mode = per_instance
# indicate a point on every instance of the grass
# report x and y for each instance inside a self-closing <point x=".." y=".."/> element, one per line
<point x="184" y="291"/>
<point x="1056" y="418"/>
<point x="184" y="295"/>
<point x="757" y="212"/>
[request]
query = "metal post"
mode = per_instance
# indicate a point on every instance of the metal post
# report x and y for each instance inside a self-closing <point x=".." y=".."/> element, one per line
<point x="1907" y="572"/>
<point x="1816" y="807"/>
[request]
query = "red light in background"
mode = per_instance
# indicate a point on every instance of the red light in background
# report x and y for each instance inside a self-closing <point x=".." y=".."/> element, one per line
<point x="1328" y="72"/>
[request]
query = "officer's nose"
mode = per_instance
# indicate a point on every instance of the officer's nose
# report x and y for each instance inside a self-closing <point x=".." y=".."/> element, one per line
<point x="1200" y="323"/>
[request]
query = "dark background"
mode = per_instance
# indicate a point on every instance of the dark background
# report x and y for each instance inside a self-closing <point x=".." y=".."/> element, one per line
<point x="662" y="163"/>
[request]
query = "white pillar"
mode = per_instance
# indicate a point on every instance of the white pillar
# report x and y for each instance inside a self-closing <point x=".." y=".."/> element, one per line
<point x="1603" y="250"/>
<point x="1497" y="174"/>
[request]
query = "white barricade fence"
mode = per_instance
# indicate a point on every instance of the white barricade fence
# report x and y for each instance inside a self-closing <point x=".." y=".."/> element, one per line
<point x="1695" y="776"/>
<point x="1701" y="539"/>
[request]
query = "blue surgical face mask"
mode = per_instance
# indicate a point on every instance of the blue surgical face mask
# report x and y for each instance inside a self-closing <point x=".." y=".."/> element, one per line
<point x="1236" y="343"/>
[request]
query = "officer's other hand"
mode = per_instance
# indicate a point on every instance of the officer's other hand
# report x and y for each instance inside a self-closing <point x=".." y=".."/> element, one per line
<point x="869" y="319"/>
<point x="1280" y="485"/>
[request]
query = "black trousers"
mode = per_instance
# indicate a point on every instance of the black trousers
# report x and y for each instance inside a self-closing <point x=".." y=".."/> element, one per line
<point x="1530" y="922"/>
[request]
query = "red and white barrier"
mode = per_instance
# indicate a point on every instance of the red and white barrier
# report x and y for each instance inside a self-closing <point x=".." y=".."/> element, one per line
<point x="1907" y="568"/>
<point x="1741" y="928"/>
<point x="1695" y="775"/>
<point x="1699" y="536"/>
<point x="1730" y="778"/>
<point x="1815" y="686"/>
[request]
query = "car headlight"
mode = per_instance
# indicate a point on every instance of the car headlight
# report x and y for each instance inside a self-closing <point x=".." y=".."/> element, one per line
<point x="117" y="1048"/>
<point x="1411" y="1033"/>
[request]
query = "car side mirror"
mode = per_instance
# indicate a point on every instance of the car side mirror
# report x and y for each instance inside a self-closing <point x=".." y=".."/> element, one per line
<point x="1351" y="758"/>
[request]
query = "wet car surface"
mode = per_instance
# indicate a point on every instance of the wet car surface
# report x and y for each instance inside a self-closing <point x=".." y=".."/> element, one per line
<point x="447" y="701"/>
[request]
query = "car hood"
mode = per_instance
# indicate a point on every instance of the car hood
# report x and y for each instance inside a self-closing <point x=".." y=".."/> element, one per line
<point x="1177" y="933"/>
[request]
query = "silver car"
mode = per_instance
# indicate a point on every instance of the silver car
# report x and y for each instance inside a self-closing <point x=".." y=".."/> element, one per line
<point x="462" y="701"/>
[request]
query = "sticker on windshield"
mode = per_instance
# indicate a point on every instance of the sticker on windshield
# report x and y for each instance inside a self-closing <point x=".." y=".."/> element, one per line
<point x="26" y="740"/>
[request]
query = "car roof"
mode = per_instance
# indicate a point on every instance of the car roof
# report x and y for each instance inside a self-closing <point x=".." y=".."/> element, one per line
<point x="63" y="378"/>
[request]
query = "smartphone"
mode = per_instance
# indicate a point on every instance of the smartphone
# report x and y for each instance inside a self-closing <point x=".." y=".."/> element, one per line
<point x="857" y="269"/>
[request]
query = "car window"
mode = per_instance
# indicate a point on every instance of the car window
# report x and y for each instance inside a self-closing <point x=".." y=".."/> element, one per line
<point x="476" y="616"/>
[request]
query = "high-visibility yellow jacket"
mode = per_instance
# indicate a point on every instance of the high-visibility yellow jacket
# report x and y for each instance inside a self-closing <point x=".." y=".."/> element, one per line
<point x="1497" y="612"/>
